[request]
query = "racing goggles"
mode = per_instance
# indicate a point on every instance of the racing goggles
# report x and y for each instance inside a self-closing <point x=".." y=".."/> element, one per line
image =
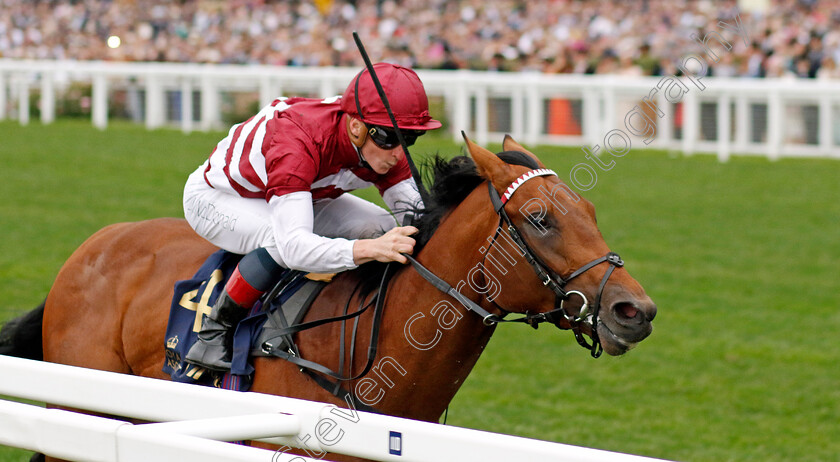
<point x="387" y="138"/>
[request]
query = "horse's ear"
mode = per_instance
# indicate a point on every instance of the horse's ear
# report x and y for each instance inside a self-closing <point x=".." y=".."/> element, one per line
<point x="488" y="164"/>
<point x="509" y="144"/>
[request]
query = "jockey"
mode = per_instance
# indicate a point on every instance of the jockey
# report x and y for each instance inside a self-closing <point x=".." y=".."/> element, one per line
<point x="274" y="190"/>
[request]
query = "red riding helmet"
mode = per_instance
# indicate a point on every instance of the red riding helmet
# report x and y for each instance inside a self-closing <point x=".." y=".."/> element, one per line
<point x="405" y="93"/>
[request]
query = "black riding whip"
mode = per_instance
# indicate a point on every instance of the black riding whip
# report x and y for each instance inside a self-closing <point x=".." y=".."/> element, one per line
<point x="424" y="195"/>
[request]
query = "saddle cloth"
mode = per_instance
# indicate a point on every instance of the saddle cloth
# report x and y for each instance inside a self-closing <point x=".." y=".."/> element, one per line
<point x="194" y="298"/>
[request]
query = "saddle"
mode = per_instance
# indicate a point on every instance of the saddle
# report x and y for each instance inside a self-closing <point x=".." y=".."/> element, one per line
<point x="269" y="320"/>
<point x="268" y="330"/>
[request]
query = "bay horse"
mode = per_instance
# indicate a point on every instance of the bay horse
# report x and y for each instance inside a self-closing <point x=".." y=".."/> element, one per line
<point x="536" y="255"/>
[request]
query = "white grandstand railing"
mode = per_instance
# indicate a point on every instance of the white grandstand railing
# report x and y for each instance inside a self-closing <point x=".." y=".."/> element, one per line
<point x="196" y="420"/>
<point x="770" y="117"/>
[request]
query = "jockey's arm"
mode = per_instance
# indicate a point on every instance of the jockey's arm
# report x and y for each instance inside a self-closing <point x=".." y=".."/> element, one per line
<point x="292" y="218"/>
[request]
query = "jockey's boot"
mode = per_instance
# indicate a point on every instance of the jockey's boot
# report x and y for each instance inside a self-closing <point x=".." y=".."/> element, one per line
<point x="253" y="276"/>
<point x="214" y="348"/>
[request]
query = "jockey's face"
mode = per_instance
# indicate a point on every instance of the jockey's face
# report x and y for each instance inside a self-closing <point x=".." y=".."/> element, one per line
<point x="381" y="160"/>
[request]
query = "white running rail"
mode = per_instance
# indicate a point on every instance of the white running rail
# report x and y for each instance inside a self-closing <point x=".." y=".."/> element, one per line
<point x="195" y="421"/>
<point x="768" y="117"/>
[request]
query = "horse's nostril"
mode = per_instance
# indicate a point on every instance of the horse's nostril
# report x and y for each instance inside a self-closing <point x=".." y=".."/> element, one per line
<point x="625" y="310"/>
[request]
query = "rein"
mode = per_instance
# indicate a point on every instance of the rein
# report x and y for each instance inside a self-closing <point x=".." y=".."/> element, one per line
<point x="587" y="316"/>
<point x="549" y="278"/>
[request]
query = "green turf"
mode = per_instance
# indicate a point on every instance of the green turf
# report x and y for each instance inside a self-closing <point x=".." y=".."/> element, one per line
<point x="740" y="257"/>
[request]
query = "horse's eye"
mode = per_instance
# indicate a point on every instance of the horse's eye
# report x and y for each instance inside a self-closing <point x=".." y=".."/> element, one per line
<point x="540" y="221"/>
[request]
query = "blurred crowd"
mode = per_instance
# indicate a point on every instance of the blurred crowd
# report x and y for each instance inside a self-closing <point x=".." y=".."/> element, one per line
<point x="793" y="38"/>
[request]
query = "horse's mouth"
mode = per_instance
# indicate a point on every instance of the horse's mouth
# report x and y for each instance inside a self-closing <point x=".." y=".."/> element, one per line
<point x="613" y="344"/>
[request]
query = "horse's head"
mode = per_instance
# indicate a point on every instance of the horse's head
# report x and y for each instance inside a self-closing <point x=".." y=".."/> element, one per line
<point x="564" y="272"/>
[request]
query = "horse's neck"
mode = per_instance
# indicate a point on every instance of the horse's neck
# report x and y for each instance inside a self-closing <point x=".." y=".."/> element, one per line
<point x="434" y="342"/>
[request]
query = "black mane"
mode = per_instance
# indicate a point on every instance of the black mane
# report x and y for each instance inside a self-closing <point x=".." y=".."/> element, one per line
<point x="452" y="181"/>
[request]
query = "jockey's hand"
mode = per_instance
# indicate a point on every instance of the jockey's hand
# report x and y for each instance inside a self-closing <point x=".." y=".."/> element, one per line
<point x="387" y="247"/>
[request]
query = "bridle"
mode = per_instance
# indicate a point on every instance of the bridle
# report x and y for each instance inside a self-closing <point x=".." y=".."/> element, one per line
<point x="587" y="315"/>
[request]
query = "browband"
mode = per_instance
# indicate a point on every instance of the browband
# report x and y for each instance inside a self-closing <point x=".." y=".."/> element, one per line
<point x="522" y="179"/>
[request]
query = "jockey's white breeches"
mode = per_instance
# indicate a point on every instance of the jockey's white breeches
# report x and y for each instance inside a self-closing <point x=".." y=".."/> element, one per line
<point x="241" y="225"/>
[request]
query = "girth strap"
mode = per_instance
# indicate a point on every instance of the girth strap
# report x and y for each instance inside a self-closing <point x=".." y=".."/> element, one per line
<point x="269" y="347"/>
<point x="339" y="391"/>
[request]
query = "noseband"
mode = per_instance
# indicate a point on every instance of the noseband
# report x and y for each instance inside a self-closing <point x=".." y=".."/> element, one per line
<point x="587" y="316"/>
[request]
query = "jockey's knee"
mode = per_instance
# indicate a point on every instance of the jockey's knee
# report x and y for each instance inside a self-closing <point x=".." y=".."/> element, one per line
<point x="260" y="269"/>
<point x="372" y="228"/>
